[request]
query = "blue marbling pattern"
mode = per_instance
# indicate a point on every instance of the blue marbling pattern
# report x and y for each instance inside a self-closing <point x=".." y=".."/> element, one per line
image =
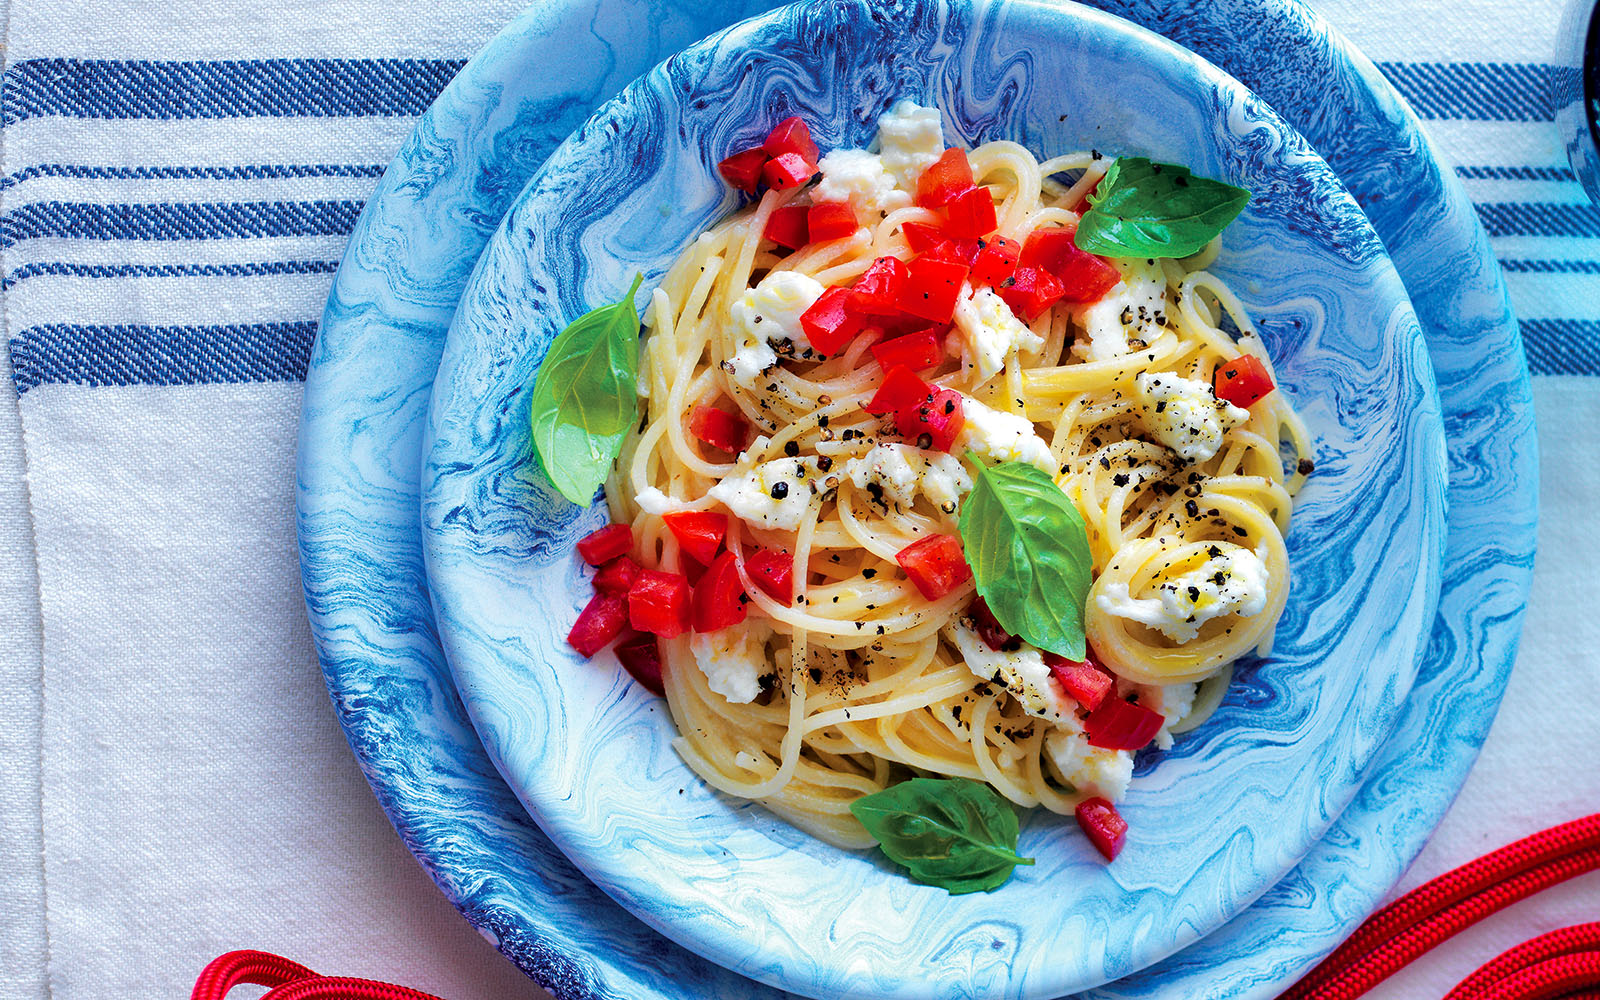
<point x="1222" y="818"/>
<point x="380" y="343"/>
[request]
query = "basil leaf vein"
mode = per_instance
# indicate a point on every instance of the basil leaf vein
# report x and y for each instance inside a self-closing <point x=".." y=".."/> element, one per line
<point x="1147" y="209"/>
<point x="585" y="397"/>
<point x="1029" y="552"/>
<point x="954" y="833"/>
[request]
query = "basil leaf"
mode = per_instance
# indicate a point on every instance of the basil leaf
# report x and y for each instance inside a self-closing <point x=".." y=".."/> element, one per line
<point x="586" y="397"/>
<point x="957" y="834"/>
<point x="1146" y="209"/>
<point x="1029" y="552"/>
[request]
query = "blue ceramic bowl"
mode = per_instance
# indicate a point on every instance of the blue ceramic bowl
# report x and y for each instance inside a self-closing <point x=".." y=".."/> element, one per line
<point x="1219" y="819"/>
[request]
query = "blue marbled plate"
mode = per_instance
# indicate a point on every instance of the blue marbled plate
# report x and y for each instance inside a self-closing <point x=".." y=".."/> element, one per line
<point x="379" y="346"/>
<point x="1220" y="819"/>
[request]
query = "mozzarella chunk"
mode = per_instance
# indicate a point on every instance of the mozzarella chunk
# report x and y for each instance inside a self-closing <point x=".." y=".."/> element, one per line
<point x="1173" y="701"/>
<point x="909" y="139"/>
<point x="653" y="501"/>
<point x="1002" y="437"/>
<point x="1023" y="673"/>
<point x="1233" y="582"/>
<point x="733" y="659"/>
<point x="1185" y="414"/>
<point x="900" y="471"/>
<point x="989" y="329"/>
<point x="1091" y="770"/>
<point x="1130" y="307"/>
<point x="769" y="314"/>
<point x="749" y="495"/>
<point x="858" y="177"/>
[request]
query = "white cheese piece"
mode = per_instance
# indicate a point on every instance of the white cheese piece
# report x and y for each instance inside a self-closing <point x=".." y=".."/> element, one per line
<point x="1130" y="307"/>
<point x="1092" y="770"/>
<point x="1185" y="415"/>
<point x="1002" y="437"/>
<point x="900" y="471"/>
<point x="653" y="501"/>
<point x="858" y="177"/>
<point x="1023" y="673"/>
<point x="909" y="139"/>
<point x="1231" y="583"/>
<point x="769" y="314"/>
<point x="1173" y="701"/>
<point x="989" y="329"/>
<point x="749" y="495"/>
<point x="733" y="659"/>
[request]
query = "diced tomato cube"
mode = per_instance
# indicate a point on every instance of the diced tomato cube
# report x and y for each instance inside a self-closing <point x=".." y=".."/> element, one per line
<point x="901" y="388"/>
<point x="1119" y="724"/>
<point x="831" y="221"/>
<point x="1103" y="825"/>
<point x="945" y="179"/>
<point x="787" y="227"/>
<point x="1083" y="680"/>
<point x="1048" y="249"/>
<point x="605" y="544"/>
<point x="921" y="238"/>
<point x="791" y="136"/>
<point x="699" y="532"/>
<point x="995" y="262"/>
<point x="658" y="603"/>
<point x="719" y="598"/>
<point x="914" y="350"/>
<point x="877" y="291"/>
<point x="971" y="214"/>
<point x="616" y="576"/>
<point x="720" y="429"/>
<point x="829" y="324"/>
<point x="935" y="565"/>
<point x="935" y="424"/>
<point x="1242" y="381"/>
<point x="931" y="288"/>
<point x="640" y="655"/>
<point x="955" y="250"/>
<point x="743" y="169"/>
<point x="1030" y="291"/>
<point x="1084" y="277"/>
<point x="787" y="170"/>
<point x="600" y="621"/>
<point x="990" y="630"/>
<point x="773" y="572"/>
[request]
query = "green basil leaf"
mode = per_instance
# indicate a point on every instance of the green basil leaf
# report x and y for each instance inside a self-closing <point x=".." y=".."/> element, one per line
<point x="957" y="834"/>
<point x="586" y="397"/>
<point x="1029" y="552"/>
<point x="1146" y="209"/>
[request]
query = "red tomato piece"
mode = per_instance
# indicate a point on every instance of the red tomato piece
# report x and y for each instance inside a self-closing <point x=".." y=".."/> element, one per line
<point x="699" y="532"/>
<point x="605" y="544"/>
<point x="791" y="136"/>
<point x="720" y="429"/>
<point x="787" y="170"/>
<point x="971" y="214"/>
<point x="1084" y="277"/>
<point x="641" y="657"/>
<point x="877" y="291"/>
<point x="914" y="350"/>
<point x="828" y="322"/>
<point x="719" y="598"/>
<point x="901" y="389"/>
<point x="1048" y="249"/>
<point x="659" y="603"/>
<point x="955" y="250"/>
<point x="1119" y="724"/>
<point x="743" y="169"/>
<point x="1103" y="825"/>
<point x="1084" y="681"/>
<point x="787" y="227"/>
<point x="931" y="288"/>
<point x="600" y="621"/>
<point x="1242" y="381"/>
<point x="773" y="572"/>
<point x="922" y="238"/>
<point x="996" y="260"/>
<point x="991" y="631"/>
<point x="935" y="565"/>
<point x="831" y="221"/>
<point x="946" y="178"/>
<point x="616" y="576"/>
<point x="935" y="424"/>
<point x="1030" y="291"/>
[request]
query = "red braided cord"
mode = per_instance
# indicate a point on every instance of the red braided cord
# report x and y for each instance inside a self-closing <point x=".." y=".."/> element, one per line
<point x="342" y="988"/>
<point x="257" y="967"/>
<point x="1447" y="890"/>
<point x="1553" y="977"/>
<point x="1580" y="937"/>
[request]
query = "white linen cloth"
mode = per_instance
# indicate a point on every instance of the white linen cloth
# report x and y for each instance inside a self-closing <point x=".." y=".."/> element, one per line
<point x="174" y="784"/>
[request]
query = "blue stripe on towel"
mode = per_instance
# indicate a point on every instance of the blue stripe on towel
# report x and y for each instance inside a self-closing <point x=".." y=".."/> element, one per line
<point x="1562" y="346"/>
<point x="1496" y="92"/>
<point x="161" y="355"/>
<point x="254" y="269"/>
<point x="281" y="88"/>
<point x="191" y="221"/>
<point x="248" y="172"/>
<point x="1539" y="218"/>
<point x="1552" y="266"/>
<point x="1517" y="173"/>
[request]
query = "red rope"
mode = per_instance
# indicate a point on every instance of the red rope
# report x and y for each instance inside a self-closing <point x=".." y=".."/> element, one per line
<point x="290" y="981"/>
<point x="340" y="988"/>
<point x="1546" y="980"/>
<point x="1566" y="941"/>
